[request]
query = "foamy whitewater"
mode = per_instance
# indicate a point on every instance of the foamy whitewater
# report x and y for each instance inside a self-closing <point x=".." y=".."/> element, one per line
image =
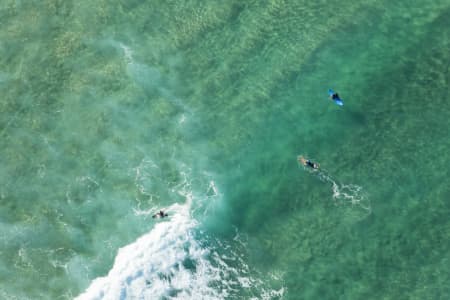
<point x="172" y="262"/>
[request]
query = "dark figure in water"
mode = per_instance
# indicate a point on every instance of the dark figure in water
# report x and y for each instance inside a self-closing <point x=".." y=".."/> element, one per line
<point x="160" y="214"/>
<point x="307" y="162"/>
<point x="335" y="96"/>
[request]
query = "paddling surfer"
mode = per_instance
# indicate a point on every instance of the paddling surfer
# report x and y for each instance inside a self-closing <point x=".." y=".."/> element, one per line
<point x="307" y="162"/>
<point x="160" y="214"/>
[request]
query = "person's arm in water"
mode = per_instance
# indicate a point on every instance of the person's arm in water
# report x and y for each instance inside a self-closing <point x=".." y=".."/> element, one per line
<point x="301" y="160"/>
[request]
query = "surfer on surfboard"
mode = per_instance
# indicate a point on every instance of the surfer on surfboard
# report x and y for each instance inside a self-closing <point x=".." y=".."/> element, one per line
<point x="307" y="162"/>
<point x="160" y="214"/>
<point x="335" y="97"/>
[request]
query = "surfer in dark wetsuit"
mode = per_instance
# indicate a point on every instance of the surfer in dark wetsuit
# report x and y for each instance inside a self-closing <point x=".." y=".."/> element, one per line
<point x="307" y="162"/>
<point x="335" y="96"/>
<point x="160" y="214"/>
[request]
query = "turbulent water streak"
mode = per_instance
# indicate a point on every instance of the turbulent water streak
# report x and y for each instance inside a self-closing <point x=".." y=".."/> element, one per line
<point x="169" y="262"/>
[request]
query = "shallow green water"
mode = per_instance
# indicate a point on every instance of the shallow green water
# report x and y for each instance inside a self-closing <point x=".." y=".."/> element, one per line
<point x="111" y="110"/>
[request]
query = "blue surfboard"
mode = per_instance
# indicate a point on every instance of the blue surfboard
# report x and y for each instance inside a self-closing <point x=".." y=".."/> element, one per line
<point x="338" y="101"/>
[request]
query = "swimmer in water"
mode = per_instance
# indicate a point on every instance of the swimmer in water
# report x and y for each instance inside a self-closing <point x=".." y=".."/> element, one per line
<point x="160" y="214"/>
<point x="307" y="162"/>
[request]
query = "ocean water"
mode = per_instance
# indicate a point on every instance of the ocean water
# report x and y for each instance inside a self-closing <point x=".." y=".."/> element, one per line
<point x="112" y="110"/>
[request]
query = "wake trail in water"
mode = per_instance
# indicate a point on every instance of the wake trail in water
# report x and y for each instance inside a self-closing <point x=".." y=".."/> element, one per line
<point x="344" y="194"/>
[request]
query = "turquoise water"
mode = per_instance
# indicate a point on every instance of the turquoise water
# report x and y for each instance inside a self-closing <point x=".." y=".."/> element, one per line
<point x="111" y="110"/>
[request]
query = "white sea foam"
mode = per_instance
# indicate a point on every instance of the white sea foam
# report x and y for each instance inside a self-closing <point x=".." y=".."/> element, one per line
<point x="152" y="267"/>
<point x="344" y="194"/>
<point x="172" y="261"/>
<point x="127" y="53"/>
